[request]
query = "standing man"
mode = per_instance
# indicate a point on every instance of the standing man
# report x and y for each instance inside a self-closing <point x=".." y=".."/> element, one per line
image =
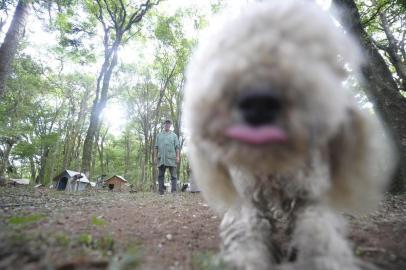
<point x="166" y="155"/>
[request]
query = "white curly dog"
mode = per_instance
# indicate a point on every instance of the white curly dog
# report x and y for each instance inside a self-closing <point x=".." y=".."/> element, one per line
<point x="277" y="142"/>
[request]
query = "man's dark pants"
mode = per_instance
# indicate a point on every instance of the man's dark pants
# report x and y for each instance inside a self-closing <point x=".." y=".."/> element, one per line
<point x="161" y="176"/>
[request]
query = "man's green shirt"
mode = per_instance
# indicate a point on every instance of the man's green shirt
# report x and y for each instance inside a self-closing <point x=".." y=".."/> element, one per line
<point x="167" y="143"/>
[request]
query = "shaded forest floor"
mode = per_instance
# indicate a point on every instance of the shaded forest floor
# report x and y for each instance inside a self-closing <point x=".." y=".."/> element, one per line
<point x="45" y="229"/>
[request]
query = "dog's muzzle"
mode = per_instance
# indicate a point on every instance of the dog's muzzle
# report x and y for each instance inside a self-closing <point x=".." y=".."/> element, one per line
<point x="259" y="109"/>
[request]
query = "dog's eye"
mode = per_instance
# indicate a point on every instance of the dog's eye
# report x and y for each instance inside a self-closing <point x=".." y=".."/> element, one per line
<point x="259" y="107"/>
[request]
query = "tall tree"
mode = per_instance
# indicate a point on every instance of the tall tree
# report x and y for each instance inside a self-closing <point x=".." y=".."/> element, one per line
<point x="392" y="22"/>
<point x="16" y="105"/>
<point x="118" y="18"/>
<point x="141" y="101"/>
<point x="382" y="89"/>
<point x="8" y="48"/>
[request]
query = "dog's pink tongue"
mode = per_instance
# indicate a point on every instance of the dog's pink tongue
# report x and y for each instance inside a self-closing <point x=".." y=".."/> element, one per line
<point x="256" y="135"/>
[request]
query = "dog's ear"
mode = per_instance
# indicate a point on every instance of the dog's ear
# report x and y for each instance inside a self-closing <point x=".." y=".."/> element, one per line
<point x="213" y="179"/>
<point x="361" y="162"/>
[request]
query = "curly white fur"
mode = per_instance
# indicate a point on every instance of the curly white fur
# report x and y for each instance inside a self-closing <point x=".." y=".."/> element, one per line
<point x="336" y="156"/>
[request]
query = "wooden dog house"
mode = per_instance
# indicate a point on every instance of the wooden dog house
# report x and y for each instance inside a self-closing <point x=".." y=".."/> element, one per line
<point x="116" y="182"/>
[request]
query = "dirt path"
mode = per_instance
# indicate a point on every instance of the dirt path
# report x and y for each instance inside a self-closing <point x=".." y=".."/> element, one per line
<point x="43" y="229"/>
<point x="90" y="229"/>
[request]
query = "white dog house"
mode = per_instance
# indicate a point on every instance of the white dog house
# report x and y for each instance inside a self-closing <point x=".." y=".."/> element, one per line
<point x="20" y="181"/>
<point x="71" y="181"/>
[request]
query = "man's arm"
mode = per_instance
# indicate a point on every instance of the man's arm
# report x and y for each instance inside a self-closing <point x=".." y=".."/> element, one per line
<point x="155" y="157"/>
<point x="155" y="154"/>
<point x="177" y="155"/>
<point x="177" y="149"/>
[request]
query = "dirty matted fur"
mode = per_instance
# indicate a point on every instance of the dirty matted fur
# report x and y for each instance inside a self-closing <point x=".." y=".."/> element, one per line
<point x="277" y="140"/>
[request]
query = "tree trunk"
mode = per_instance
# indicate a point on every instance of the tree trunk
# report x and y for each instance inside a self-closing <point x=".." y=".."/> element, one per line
<point x="88" y="143"/>
<point x="68" y="147"/>
<point x="143" y="166"/>
<point x="76" y="157"/>
<point x="77" y="132"/>
<point x="100" y="149"/>
<point x="139" y="160"/>
<point x="5" y="154"/>
<point x="392" y="51"/>
<point x="146" y="159"/>
<point x="54" y="163"/>
<point x="9" y="47"/>
<point x="32" y="169"/>
<point x="381" y="88"/>
<point x="127" y="154"/>
<point x="101" y="157"/>
<point x="115" y="20"/>
<point x="93" y="163"/>
<point x="94" y="152"/>
<point x="98" y="106"/>
<point x="43" y="161"/>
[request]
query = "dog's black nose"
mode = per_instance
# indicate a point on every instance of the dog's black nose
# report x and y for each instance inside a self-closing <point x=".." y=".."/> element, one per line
<point x="259" y="107"/>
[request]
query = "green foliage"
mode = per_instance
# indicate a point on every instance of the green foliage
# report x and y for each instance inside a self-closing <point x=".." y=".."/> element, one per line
<point x="62" y="21"/>
<point x="62" y="240"/>
<point x="98" y="221"/>
<point x="76" y="28"/>
<point x="216" y="7"/>
<point x="372" y="21"/>
<point x="401" y="3"/>
<point x="49" y="139"/>
<point x="23" y="85"/>
<point x="47" y="110"/>
<point x="105" y="243"/>
<point x="20" y="220"/>
<point x="24" y="150"/>
<point x="168" y="29"/>
<point x="85" y="239"/>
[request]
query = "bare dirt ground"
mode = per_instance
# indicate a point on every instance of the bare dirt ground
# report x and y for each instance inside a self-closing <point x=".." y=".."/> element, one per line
<point x="46" y="229"/>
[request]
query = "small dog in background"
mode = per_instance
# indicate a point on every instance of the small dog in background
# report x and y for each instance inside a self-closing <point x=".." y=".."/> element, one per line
<point x="277" y="139"/>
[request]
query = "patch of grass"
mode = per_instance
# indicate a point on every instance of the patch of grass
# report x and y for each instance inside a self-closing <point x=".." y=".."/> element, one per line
<point x="17" y="220"/>
<point x="62" y="240"/>
<point x="130" y="260"/>
<point x="85" y="239"/>
<point x="105" y="243"/>
<point x="98" y="221"/>
<point x="207" y="261"/>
